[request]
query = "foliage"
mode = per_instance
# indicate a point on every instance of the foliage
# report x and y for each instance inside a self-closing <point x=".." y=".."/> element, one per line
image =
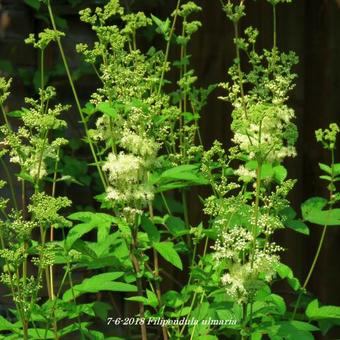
<point x="142" y="132"/>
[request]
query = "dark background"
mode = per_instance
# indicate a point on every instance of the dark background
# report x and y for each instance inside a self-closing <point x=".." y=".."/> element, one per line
<point x="311" y="28"/>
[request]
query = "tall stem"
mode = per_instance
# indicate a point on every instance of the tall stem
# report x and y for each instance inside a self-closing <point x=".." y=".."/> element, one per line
<point x="157" y="277"/>
<point x="135" y="262"/>
<point x="167" y="49"/>
<point x="10" y="183"/>
<point x="75" y="94"/>
<point x="321" y="241"/>
<point x="274" y="27"/>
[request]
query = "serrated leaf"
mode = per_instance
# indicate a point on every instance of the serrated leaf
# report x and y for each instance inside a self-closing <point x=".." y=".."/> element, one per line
<point x="286" y="273"/>
<point x="176" y="226"/>
<point x="168" y="252"/>
<point x="314" y="312"/>
<point x="327" y="178"/>
<point x="100" y="282"/>
<point x="291" y="330"/>
<point x="163" y="26"/>
<point x="91" y="220"/>
<point x="172" y="299"/>
<point x="14" y="114"/>
<point x="5" y="325"/>
<point x="267" y="171"/>
<point x="298" y="226"/>
<point x="152" y="231"/>
<point x="40" y="333"/>
<point x="325" y="168"/>
<point x="280" y="173"/>
<point x="336" y="169"/>
<point x="107" y="109"/>
<point x="101" y="309"/>
<point x="83" y="248"/>
<point x="33" y="3"/>
<point x="178" y="177"/>
<point x="312" y="212"/>
<point x="150" y="300"/>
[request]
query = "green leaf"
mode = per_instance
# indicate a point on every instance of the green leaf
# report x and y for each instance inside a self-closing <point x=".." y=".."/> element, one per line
<point x="100" y="282"/>
<point x="302" y="326"/>
<point x="298" y="226"/>
<point x="89" y="109"/>
<point x="311" y="205"/>
<point x="33" y="3"/>
<point x="153" y="233"/>
<point x="314" y="312"/>
<point x="110" y="110"/>
<point x="26" y="177"/>
<point x="14" y="114"/>
<point x="178" y="177"/>
<point x="168" y="252"/>
<point x="74" y="327"/>
<point x="267" y="171"/>
<point x="176" y="226"/>
<point x="91" y="220"/>
<point x="336" y="169"/>
<point x="172" y="299"/>
<point x="293" y="330"/>
<point x="40" y="333"/>
<point x="288" y="215"/>
<point x="84" y="249"/>
<point x="278" y="301"/>
<point x="312" y="212"/>
<point x="280" y="173"/>
<point x="101" y="309"/>
<point x="6" y="325"/>
<point x="326" y="178"/>
<point x="189" y="117"/>
<point x="325" y="168"/>
<point x="163" y="26"/>
<point x="187" y="172"/>
<point x="150" y="300"/>
<point x="286" y="273"/>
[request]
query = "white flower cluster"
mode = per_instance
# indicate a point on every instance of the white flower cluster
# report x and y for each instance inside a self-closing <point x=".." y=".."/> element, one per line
<point x="243" y="273"/>
<point x="128" y="172"/>
<point x="265" y="129"/>
<point x="245" y="174"/>
<point x="30" y="145"/>
<point x="139" y="145"/>
<point x="231" y="243"/>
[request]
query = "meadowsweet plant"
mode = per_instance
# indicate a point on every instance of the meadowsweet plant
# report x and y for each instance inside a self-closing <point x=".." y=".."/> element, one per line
<point x="134" y="265"/>
<point x="28" y="259"/>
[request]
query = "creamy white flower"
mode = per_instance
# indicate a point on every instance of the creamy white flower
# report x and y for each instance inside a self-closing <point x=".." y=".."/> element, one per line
<point x="242" y="171"/>
<point x="138" y="145"/>
<point x="123" y="167"/>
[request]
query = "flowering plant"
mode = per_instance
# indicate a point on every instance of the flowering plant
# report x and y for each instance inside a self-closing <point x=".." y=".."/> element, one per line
<point x="142" y="131"/>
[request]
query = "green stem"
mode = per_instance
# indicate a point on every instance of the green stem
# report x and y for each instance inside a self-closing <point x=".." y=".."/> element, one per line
<point x="194" y="328"/>
<point x="75" y="94"/>
<point x="55" y="300"/>
<point x="166" y="204"/>
<point x="75" y="303"/>
<point x="157" y="277"/>
<point x="5" y="117"/>
<point x="190" y="277"/>
<point x="274" y="27"/>
<point x="139" y="282"/>
<point x="321" y="241"/>
<point x="10" y="183"/>
<point x="167" y="50"/>
<point x="12" y="287"/>
<point x="240" y="75"/>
